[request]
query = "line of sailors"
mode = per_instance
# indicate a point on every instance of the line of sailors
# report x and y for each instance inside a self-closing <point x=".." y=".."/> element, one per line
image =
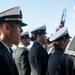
<point x="37" y="61"/>
<point x="40" y="62"/>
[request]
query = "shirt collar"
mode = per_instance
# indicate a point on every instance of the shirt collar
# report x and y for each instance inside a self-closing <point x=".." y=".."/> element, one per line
<point x="5" y="45"/>
<point x="21" y="46"/>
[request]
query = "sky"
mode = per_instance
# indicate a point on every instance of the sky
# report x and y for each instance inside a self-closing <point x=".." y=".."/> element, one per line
<point x="37" y="13"/>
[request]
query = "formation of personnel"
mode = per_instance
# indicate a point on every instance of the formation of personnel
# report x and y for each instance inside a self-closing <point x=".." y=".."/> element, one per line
<point x="58" y="59"/>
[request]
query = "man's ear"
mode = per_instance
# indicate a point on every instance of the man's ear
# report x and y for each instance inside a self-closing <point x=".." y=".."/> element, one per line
<point x="6" y="27"/>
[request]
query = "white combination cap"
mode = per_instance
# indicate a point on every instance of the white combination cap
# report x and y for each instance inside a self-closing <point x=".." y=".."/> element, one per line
<point x="59" y="35"/>
<point x="12" y="15"/>
<point x="39" y="30"/>
<point x="25" y="35"/>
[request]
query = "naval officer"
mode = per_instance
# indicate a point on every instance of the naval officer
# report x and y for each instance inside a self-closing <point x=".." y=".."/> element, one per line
<point x="38" y="56"/>
<point x="10" y="30"/>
